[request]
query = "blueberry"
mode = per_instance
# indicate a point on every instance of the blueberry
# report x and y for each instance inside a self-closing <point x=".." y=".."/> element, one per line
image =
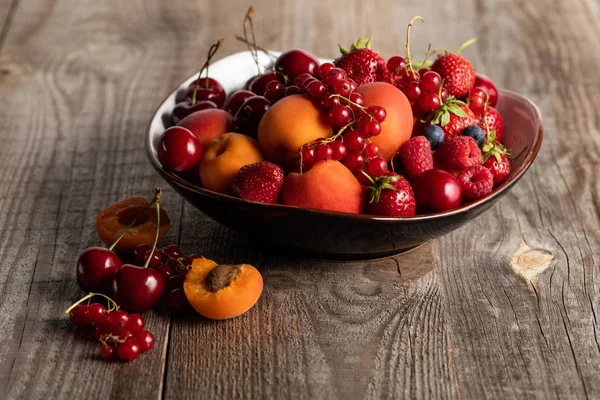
<point x="476" y="133"/>
<point x="435" y="135"/>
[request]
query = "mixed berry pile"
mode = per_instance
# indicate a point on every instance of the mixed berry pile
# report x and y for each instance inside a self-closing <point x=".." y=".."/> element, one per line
<point x="361" y="134"/>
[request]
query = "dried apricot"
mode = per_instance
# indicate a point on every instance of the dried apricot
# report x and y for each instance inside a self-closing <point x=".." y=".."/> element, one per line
<point x="222" y="291"/>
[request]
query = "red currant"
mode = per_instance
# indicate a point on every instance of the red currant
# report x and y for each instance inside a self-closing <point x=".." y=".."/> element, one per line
<point x="377" y="112"/>
<point x="339" y="116"/>
<point x="308" y="155"/>
<point x="444" y="94"/>
<point x="354" y="161"/>
<point x="107" y="352"/>
<point x="376" y="167"/>
<point x="371" y="150"/>
<point x="145" y="340"/>
<point x="316" y="89"/>
<point x="324" y="152"/>
<point x="292" y="90"/>
<point x="324" y="69"/>
<point x="477" y="105"/>
<point x="299" y="81"/>
<point x="334" y="75"/>
<point x="80" y="316"/>
<point x="357" y="99"/>
<point x="136" y="322"/>
<point x="128" y="351"/>
<point x="342" y="87"/>
<point x="423" y="70"/>
<point x="368" y="127"/>
<point x="118" y="319"/>
<point x="354" y="140"/>
<point x="338" y="150"/>
<point x="395" y="64"/>
<point x="430" y="81"/>
<point x="412" y="90"/>
<point x="353" y="84"/>
<point x="430" y="102"/>
<point x="96" y="313"/>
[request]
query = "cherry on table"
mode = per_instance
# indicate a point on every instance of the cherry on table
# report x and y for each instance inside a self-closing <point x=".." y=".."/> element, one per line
<point x="107" y="352"/>
<point x="178" y="149"/>
<point x="96" y="267"/>
<point x="236" y="100"/>
<point x="128" y="350"/>
<point x="145" y="340"/>
<point x="295" y="62"/>
<point x="136" y="288"/>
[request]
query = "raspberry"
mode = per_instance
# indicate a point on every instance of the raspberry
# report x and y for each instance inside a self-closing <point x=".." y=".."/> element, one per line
<point x="416" y="156"/>
<point x="458" y="153"/>
<point x="476" y="182"/>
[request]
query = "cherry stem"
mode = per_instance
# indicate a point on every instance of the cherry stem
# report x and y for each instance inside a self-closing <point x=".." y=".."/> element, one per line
<point x="267" y="52"/>
<point x="466" y="44"/>
<point x="112" y="305"/>
<point x="157" y="196"/>
<point x="156" y="236"/>
<point x="407" y="44"/>
<point x="173" y="258"/>
<point x="253" y="47"/>
<point x="211" y="52"/>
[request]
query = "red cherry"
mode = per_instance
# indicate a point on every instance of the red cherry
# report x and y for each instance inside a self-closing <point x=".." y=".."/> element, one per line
<point x="128" y="351"/>
<point x="487" y="84"/>
<point x="137" y="289"/>
<point x="96" y="268"/>
<point x="175" y="282"/>
<point x="144" y="340"/>
<point x="236" y="100"/>
<point x="338" y="150"/>
<point x="324" y="69"/>
<point x="295" y="62"/>
<point x="177" y="302"/>
<point x="354" y="140"/>
<point x="354" y="161"/>
<point x="173" y="251"/>
<point x="377" y="167"/>
<point x="214" y="92"/>
<point x="136" y="322"/>
<point x="324" y="152"/>
<point x="371" y="150"/>
<point x="80" y="317"/>
<point x="437" y="190"/>
<point x="139" y="254"/>
<point x="155" y="260"/>
<point x="178" y="149"/>
<point x="107" y="352"/>
<point x="377" y="112"/>
<point x="165" y="271"/>
<point x="431" y="81"/>
<point x="339" y="116"/>
<point x="248" y="117"/>
<point x="259" y="85"/>
<point x="182" y="272"/>
<point x="185" y="108"/>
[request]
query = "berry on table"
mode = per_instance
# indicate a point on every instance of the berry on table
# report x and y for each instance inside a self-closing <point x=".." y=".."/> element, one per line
<point x="458" y="153"/>
<point x="416" y="156"/>
<point x="476" y="182"/>
<point x="128" y="350"/>
<point x="144" y="340"/>
<point x="107" y="352"/>
<point x="435" y="135"/>
<point x="476" y="133"/>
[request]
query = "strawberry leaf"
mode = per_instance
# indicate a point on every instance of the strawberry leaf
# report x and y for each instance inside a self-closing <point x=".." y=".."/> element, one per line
<point x="456" y="110"/>
<point x="342" y="50"/>
<point x="445" y="118"/>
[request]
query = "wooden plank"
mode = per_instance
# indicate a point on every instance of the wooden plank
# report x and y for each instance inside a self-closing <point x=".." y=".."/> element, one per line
<point x="514" y="338"/>
<point x="80" y="82"/>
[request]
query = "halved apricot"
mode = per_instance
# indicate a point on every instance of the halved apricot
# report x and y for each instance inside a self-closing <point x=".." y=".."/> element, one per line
<point x="114" y="219"/>
<point x="222" y="291"/>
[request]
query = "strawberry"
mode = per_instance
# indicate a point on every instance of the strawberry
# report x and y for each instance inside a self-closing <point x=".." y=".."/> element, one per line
<point x="495" y="159"/>
<point x="416" y="156"/>
<point x="458" y="153"/>
<point x="260" y="182"/>
<point x="362" y="64"/>
<point x="458" y="74"/>
<point x="453" y="116"/>
<point x="391" y="195"/>
<point x="494" y="121"/>
<point x="476" y="182"/>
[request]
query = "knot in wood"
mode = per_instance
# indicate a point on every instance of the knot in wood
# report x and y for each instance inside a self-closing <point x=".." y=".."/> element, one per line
<point x="221" y="276"/>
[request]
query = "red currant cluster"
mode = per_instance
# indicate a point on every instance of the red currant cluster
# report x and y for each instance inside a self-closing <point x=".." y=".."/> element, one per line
<point x="119" y="332"/>
<point x="173" y="265"/>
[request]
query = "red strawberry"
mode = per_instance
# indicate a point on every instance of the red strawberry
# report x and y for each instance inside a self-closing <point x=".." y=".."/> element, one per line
<point x="416" y="156"/>
<point x="476" y="182"/>
<point x="362" y="64"/>
<point x="494" y="121"/>
<point x="260" y="182"/>
<point x="458" y="153"/>
<point x="457" y="72"/>
<point x="392" y="196"/>
<point x="495" y="159"/>
<point x="453" y="116"/>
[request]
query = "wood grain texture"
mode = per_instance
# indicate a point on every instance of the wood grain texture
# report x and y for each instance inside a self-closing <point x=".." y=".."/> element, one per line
<point x="451" y="320"/>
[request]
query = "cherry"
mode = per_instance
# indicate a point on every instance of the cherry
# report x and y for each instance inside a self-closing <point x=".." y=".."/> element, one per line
<point x="107" y="352"/>
<point x="139" y="253"/>
<point x="395" y="64"/>
<point x="95" y="269"/>
<point x="259" y="84"/>
<point x="412" y="90"/>
<point x="371" y="150"/>
<point x="177" y="302"/>
<point x="185" y="108"/>
<point x="368" y="128"/>
<point x="429" y="102"/>
<point x="97" y="313"/>
<point x="136" y="322"/>
<point x="295" y="62"/>
<point x="354" y="161"/>
<point x="178" y="149"/>
<point x="324" y="152"/>
<point x="165" y="271"/>
<point x="437" y="190"/>
<point x="324" y="69"/>
<point x="128" y="350"/>
<point x="292" y="90"/>
<point x="182" y="272"/>
<point x="339" y="116"/>
<point x="431" y="81"/>
<point x="377" y="112"/>
<point x="338" y="150"/>
<point x="175" y="282"/>
<point x="137" y="288"/>
<point x="377" y="167"/>
<point x="173" y="251"/>
<point x="354" y="140"/>
<point x="248" y="117"/>
<point x="249" y="81"/>
<point x="208" y="89"/>
<point x="487" y="84"/>
<point x="144" y="339"/>
<point x="155" y="258"/>
<point x="80" y="317"/>
<point x="236" y="100"/>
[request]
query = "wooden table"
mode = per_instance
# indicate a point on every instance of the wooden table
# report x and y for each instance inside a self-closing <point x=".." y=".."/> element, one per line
<point x="79" y="81"/>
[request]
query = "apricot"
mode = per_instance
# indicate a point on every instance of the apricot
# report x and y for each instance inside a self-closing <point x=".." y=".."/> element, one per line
<point x="222" y="291"/>
<point x="114" y="219"/>
<point x="208" y="125"/>
<point x="397" y="127"/>
<point x="328" y="185"/>
<point x="289" y="124"/>
<point x="224" y="157"/>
